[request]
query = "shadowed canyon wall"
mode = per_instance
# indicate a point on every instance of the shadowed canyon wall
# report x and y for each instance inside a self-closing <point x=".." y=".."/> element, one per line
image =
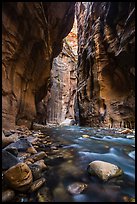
<point x="32" y="34"/>
<point x="106" y="70"/>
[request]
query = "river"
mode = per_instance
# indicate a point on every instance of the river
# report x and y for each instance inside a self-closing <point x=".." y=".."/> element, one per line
<point x="100" y="144"/>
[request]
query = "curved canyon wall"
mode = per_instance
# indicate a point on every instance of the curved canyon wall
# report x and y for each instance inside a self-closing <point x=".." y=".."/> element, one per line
<point x="32" y="34"/>
<point x="106" y="69"/>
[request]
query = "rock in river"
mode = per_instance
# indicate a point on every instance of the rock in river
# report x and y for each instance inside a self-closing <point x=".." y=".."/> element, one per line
<point x="76" y="188"/>
<point x="37" y="184"/>
<point x="104" y="170"/>
<point x="7" y="195"/>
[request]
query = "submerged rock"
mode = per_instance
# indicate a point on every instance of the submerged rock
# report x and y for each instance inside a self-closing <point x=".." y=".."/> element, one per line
<point x="8" y="195"/>
<point x="76" y="188"/>
<point x="19" y="177"/>
<point x="37" y="184"/>
<point x="44" y="195"/>
<point x="104" y="170"/>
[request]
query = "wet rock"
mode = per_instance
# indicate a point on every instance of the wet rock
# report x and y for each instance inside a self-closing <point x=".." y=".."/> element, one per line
<point x="39" y="155"/>
<point x="54" y="160"/>
<point x="8" y="160"/>
<point x="76" y="188"/>
<point x="23" y="155"/>
<point x="12" y="150"/>
<point x="85" y="136"/>
<point x="126" y="131"/>
<point x="41" y="164"/>
<point x="33" y="139"/>
<point x="23" y="145"/>
<point x="29" y="160"/>
<point x="44" y="195"/>
<point x="36" y="171"/>
<point x="37" y="184"/>
<point x="19" y="177"/>
<point x="130" y="136"/>
<point x="8" y="195"/>
<point x="21" y="197"/>
<point x="7" y="140"/>
<point x="68" y="122"/>
<point x="104" y="170"/>
<point x="31" y="150"/>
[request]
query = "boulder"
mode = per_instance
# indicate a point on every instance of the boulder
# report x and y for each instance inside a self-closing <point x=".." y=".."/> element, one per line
<point x="7" y="140"/>
<point x="104" y="170"/>
<point x="23" y="145"/>
<point x="19" y="177"/>
<point x="68" y="122"/>
<point x="8" y="160"/>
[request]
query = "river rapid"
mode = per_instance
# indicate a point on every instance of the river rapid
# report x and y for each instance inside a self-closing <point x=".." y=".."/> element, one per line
<point x="78" y="151"/>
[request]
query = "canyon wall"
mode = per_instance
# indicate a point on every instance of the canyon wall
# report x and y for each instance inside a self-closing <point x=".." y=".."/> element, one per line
<point x="106" y="69"/>
<point x="62" y="93"/>
<point x="32" y="34"/>
<point x="59" y="101"/>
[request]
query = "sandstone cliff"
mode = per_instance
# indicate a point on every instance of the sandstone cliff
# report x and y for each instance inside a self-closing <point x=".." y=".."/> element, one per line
<point x="106" y="70"/>
<point x="32" y="34"/>
<point x="59" y="101"/>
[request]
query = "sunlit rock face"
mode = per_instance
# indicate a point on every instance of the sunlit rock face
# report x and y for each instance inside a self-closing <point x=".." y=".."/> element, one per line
<point x="106" y="70"/>
<point x="32" y="34"/>
<point x="60" y="99"/>
<point x="61" y="95"/>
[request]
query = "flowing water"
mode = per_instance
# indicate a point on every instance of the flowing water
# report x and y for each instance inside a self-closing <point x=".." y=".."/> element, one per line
<point x="102" y="144"/>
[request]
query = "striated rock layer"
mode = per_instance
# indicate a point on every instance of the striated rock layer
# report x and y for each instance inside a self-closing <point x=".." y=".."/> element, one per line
<point x="60" y="104"/>
<point x="32" y="34"/>
<point x="59" y="101"/>
<point x="106" y="70"/>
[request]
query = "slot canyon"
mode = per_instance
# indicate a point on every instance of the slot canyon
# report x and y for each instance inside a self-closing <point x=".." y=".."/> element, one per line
<point x="68" y="101"/>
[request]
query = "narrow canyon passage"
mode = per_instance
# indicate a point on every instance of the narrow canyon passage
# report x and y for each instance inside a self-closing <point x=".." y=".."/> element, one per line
<point x="68" y="102"/>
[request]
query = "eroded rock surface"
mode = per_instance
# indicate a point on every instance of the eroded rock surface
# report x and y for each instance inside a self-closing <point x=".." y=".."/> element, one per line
<point x="106" y="69"/>
<point x="19" y="177"/>
<point x="32" y="35"/>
